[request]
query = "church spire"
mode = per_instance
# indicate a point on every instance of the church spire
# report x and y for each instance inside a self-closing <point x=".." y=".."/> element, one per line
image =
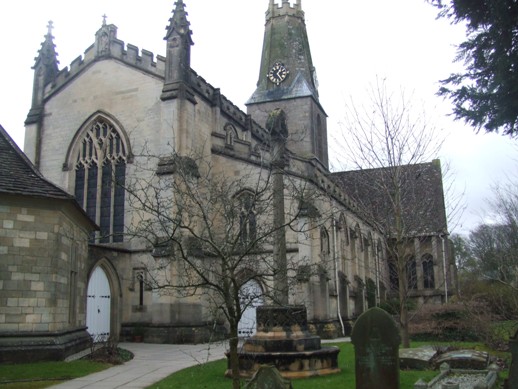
<point x="178" y="55"/>
<point x="285" y="47"/>
<point x="45" y="71"/>
<point x="287" y="80"/>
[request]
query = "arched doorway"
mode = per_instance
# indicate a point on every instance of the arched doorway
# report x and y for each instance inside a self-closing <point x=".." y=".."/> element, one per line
<point x="251" y="298"/>
<point x="98" y="311"/>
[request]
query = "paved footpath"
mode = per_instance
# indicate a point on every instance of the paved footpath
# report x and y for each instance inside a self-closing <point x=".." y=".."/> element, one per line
<point x="152" y="362"/>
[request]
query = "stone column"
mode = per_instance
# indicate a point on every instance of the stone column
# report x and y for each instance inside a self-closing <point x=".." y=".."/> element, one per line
<point x="277" y="127"/>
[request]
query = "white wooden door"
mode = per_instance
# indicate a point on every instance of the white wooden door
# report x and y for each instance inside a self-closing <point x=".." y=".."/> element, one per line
<point x="251" y="298"/>
<point x="98" y="306"/>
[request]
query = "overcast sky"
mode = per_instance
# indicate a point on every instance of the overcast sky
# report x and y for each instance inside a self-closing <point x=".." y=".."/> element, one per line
<point x="352" y="43"/>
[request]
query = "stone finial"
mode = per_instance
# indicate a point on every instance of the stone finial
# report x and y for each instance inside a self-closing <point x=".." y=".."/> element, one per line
<point x="178" y="23"/>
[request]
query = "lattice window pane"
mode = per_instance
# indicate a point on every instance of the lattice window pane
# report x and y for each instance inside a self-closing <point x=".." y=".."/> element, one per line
<point x="91" y="194"/>
<point x="118" y="216"/>
<point x="80" y="185"/>
<point x="106" y="203"/>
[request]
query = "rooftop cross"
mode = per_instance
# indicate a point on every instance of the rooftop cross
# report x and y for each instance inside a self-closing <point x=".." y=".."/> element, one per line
<point x="104" y="19"/>
<point x="50" y="27"/>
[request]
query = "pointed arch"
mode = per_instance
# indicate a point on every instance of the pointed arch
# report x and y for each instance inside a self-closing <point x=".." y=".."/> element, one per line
<point x="325" y="248"/>
<point x="411" y="272"/>
<point x="98" y="156"/>
<point x="105" y="267"/>
<point x="230" y="134"/>
<point x="251" y="296"/>
<point x="247" y="215"/>
<point x="73" y="147"/>
<point x="428" y="271"/>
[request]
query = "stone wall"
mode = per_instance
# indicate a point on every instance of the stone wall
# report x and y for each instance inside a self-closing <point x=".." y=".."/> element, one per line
<point x="43" y="273"/>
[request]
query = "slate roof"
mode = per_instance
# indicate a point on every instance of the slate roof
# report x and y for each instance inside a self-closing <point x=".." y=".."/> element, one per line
<point x="19" y="176"/>
<point x="422" y="197"/>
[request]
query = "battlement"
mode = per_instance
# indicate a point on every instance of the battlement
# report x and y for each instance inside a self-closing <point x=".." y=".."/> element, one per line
<point x="214" y="96"/>
<point x="108" y="46"/>
<point x="285" y="9"/>
<point x="129" y="54"/>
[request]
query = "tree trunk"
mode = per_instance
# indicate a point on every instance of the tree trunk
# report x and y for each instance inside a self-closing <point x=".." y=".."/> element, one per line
<point x="234" y="361"/>
<point x="403" y="311"/>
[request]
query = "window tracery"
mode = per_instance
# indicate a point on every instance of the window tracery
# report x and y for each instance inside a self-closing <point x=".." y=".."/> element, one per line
<point x="100" y="170"/>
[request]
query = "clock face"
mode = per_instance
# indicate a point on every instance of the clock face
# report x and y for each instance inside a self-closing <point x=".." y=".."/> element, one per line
<point x="278" y="73"/>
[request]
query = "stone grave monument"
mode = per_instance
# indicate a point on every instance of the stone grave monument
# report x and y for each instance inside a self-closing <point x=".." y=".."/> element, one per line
<point x="376" y="340"/>
<point x="512" y="381"/>
<point x="283" y="340"/>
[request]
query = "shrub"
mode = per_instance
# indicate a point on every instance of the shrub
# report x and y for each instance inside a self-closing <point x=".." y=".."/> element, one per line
<point x="449" y="322"/>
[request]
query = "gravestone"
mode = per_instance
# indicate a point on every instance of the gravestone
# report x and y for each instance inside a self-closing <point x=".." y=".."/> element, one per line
<point x="376" y="340"/>
<point x="268" y="377"/>
<point x="416" y="358"/>
<point x="465" y="359"/>
<point x="512" y="381"/>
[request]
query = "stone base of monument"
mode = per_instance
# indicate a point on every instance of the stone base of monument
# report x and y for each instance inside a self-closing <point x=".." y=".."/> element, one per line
<point x="283" y="340"/>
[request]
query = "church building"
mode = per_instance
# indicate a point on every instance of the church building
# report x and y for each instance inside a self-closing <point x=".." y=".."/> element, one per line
<point x="86" y="134"/>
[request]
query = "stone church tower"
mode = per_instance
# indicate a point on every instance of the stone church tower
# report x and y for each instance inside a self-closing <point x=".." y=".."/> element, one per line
<point x="288" y="80"/>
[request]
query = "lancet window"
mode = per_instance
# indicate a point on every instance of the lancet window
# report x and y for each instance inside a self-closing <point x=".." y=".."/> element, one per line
<point x="247" y="218"/>
<point x="428" y="276"/>
<point x="411" y="273"/>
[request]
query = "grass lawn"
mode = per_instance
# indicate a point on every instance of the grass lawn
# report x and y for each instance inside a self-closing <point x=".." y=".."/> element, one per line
<point x="210" y="376"/>
<point x="45" y="374"/>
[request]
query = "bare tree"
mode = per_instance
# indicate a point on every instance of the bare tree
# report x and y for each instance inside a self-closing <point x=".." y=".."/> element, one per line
<point x="388" y="145"/>
<point x="212" y="232"/>
<point x="494" y="246"/>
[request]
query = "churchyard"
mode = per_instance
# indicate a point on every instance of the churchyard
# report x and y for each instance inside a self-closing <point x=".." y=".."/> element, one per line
<point x="209" y="375"/>
<point x="373" y="359"/>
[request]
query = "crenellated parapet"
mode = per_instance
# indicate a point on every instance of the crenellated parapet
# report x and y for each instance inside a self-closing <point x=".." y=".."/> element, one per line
<point x="143" y="60"/>
<point x="285" y="9"/>
<point x="213" y="95"/>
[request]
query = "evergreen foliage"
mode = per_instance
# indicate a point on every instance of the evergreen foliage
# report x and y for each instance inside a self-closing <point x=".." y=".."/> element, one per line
<point x="485" y="95"/>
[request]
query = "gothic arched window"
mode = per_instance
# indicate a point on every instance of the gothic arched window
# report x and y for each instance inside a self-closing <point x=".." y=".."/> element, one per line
<point x="100" y="170"/>
<point x="345" y="229"/>
<point x="411" y="273"/>
<point x="428" y="276"/>
<point x="319" y="146"/>
<point x="324" y="243"/>
<point x="393" y="275"/>
<point x="247" y="218"/>
<point x="230" y="134"/>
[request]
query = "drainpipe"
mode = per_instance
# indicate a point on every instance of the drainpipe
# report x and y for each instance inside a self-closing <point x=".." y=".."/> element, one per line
<point x="377" y="268"/>
<point x="443" y="236"/>
<point x="337" y="281"/>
